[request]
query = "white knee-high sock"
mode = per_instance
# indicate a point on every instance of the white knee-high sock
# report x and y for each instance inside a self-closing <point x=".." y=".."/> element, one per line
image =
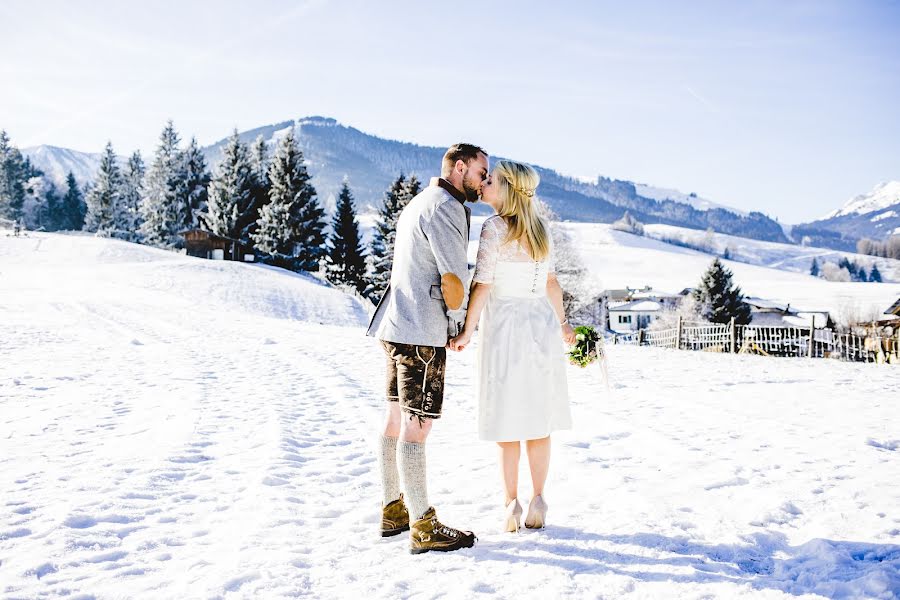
<point x="412" y="472"/>
<point x="387" y="461"/>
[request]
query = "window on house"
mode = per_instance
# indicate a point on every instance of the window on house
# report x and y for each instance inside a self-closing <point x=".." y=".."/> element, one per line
<point x="624" y="318"/>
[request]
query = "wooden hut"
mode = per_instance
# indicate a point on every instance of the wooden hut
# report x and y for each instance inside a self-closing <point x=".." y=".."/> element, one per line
<point x="205" y="244"/>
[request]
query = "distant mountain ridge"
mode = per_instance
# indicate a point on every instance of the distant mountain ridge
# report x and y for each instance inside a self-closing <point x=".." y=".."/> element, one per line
<point x="875" y="215"/>
<point x="334" y="151"/>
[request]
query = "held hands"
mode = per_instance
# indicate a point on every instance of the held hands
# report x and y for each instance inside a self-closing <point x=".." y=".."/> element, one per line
<point x="568" y="333"/>
<point x="458" y="343"/>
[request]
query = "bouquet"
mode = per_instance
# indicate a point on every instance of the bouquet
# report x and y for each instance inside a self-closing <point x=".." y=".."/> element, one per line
<point x="588" y="347"/>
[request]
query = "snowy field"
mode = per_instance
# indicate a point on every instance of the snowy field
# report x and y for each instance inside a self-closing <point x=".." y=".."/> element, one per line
<point x="615" y="259"/>
<point x="178" y="428"/>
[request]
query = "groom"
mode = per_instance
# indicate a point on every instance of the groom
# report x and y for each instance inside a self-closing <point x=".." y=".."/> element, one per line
<point x="423" y="306"/>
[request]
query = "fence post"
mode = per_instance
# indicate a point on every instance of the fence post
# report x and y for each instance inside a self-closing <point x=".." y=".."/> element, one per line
<point x="733" y="337"/>
<point x="678" y="334"/>
<point x="640" y="337"/>
<point x="812" y="337"/>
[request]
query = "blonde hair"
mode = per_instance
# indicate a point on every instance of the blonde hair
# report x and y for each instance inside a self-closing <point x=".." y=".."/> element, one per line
<point x="518" y="206"/>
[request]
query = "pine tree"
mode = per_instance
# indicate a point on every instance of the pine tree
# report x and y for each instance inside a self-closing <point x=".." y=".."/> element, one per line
<point x="291" y="227"/>
<point x="12" y="179"/>
<point x="195" y="186"/>
<point x="875" y="274"/>
<point x="396" y="198"/>
<point x="72" y="208"/>
<point x="259" y="157"/>
<point x="262" y="185"/>
<point x="814" y="269"/>
<point x="53" y="216"/>
<point x="233" y="208"/>
<point x="40" y="205"/>
<point x="163" y="207"/>
<point x="346" y="263"/>
<point x="130" y="200"/>
<point x="719" y="300"/>
<point x="103" y="200"/>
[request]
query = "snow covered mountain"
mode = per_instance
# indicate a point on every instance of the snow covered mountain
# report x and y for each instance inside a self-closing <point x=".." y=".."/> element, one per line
<point x="334" y="151"/>
<point x="56" y="163"/>
<point x="875" y="215"/>
<point x="661" y="194"/>
<point x="885" y="195"/>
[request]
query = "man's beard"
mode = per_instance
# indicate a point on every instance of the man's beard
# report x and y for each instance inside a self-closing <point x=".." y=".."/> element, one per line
<point x="472" y="194"/>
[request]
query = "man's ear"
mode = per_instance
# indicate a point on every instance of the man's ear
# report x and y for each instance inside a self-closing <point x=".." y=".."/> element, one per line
<point x="460" y="166"/>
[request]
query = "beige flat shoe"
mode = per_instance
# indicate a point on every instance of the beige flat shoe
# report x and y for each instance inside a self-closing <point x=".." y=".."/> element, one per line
<point x="537" y="513"/>
<point x="512" y="516"/>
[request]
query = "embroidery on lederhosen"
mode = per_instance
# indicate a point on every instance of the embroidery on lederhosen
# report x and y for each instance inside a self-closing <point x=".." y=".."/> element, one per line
<point x="428" y="395"/>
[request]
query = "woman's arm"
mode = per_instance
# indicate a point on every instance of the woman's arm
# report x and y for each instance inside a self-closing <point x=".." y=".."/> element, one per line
<point x="555" y="293"/>
<point x="477" y="298"/>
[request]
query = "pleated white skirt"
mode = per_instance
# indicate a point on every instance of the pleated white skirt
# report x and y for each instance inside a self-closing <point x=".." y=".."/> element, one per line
<point x="521" y="379"/>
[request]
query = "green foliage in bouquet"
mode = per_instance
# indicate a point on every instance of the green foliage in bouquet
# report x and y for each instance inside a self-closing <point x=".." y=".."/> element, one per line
<point x="586" y="350"/>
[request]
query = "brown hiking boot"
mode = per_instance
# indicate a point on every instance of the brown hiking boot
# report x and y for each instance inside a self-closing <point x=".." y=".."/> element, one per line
<point x="394" y="518"/>
<point x="430" y="534"/>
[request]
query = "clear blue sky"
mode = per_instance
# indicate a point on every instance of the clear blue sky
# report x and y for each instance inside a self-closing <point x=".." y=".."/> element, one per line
<point x="789" y="108"/>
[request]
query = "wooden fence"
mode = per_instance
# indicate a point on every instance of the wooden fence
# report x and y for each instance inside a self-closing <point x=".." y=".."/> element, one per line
<point x="808" y="342"/>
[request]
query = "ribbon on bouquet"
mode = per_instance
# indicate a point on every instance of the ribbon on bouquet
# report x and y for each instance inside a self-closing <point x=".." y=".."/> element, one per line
<point x="602" y="364"/>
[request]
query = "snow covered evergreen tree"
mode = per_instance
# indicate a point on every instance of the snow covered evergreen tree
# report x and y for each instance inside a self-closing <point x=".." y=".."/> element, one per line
<point x="719" y="299"/>
<point x="291" y="225"/>
<point x="259" y="156"/>
<point x="195" y="186"/>
<point x="875" y="274"/>
<point x="13" y="177"/>
<point x="130" y="200"/>
<point x="72" y="208"/>
<point x="163" y="206"/>
<point x="104" y="199"/>
<point x="262" y="185"/>
<point x="40" y="207"/>
<point x="233" y="210"/>
<point x="629" y="224"/>
<point x="346" y="262"/>
<point x="396" y="198"/>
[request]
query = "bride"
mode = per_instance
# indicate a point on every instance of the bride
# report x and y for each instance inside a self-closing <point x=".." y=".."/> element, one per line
<point x="521" y="379"/>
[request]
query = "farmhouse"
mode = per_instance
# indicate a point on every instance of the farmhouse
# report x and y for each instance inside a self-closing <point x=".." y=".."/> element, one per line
<point x="767" y="313"/>
<point x="205" y="244"/>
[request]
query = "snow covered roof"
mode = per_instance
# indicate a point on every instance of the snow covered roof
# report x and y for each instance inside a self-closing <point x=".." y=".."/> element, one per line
<point x="654" y="294"/>
<point x="894" y="309"/>
<point x="768" y="304"/>
<point x="637" y="306"/>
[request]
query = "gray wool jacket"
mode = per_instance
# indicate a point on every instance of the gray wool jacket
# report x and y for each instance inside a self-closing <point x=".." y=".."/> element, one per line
<point x="431" y="241"/>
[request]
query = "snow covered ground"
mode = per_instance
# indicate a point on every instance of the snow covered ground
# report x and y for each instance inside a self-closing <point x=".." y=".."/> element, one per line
<point x="178" y="428"/>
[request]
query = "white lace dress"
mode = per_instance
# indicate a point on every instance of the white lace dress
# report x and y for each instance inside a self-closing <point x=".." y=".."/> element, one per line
<point x="521" y="378"/>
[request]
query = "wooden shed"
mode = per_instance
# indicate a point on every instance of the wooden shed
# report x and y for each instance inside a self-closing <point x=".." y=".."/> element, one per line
<point x="205" y="244"/>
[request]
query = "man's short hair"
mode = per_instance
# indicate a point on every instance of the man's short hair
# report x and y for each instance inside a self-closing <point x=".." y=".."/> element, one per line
<point x="464" y="152"/>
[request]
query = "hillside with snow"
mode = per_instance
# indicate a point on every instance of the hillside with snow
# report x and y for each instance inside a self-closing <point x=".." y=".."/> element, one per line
<point x="615" y="259"/>
<point x="172" y="427"/>
<point x="786" y="257"/>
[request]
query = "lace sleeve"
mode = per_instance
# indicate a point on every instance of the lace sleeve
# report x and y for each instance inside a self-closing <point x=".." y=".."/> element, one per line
<point x="488" y="251"/>
<point x="551" y="258"/>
